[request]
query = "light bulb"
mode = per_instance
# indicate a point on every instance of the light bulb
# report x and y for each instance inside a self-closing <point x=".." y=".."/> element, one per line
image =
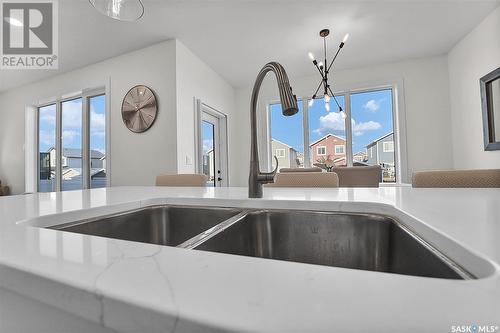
<point x="320" y="64"/>
<point x="343" y="114"/>
<point x="327" y="98"/>
<point x="311" y="56"/>
<point x="311" y="102"/>
<point x="327" y="107"/>
<point x="346" y="37"/>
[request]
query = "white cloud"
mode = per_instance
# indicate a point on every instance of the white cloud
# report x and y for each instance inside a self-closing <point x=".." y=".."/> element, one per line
<point x="48" y="115"/>
<point x="69" y="137"/>
<point x="208" y="144"/>
<point x="333" y="121"/>
<point x="372" y="105"/>
<point x="72" y="114"/>
<point x="359" y="129"/>
<point x="48" y="138"/>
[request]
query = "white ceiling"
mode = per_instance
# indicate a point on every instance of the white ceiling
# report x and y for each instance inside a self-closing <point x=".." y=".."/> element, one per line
<point x="236" y="37"/>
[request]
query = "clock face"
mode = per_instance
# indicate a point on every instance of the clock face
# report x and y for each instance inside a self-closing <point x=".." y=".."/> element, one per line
<point x="139" y="109"/>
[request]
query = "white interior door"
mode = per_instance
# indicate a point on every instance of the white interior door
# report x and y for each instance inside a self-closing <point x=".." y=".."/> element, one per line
<point x="212" y="146"/>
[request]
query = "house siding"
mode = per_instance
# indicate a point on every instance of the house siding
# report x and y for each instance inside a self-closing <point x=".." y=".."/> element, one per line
<point x="287" y="161"/>
<point x="329" y="142"/>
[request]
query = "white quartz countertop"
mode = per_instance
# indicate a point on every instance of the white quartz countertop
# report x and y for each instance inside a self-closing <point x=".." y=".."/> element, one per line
<point x="138" y="287"/>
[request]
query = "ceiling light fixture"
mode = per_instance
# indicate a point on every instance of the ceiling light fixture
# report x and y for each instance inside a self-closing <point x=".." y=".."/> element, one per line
<point x="324" y="71"/>
<point x="123" y="10"/>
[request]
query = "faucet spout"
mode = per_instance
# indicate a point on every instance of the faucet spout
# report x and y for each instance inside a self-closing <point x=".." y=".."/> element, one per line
<point x="289" y="107"/>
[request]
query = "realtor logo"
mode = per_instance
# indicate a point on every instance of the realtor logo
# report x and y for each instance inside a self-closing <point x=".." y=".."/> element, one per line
<point x="29" y="35"/>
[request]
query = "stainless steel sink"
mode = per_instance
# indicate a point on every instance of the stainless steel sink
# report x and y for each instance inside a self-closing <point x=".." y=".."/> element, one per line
<point x="359" y="241"/>
<point x="350" y="240"/>
<point x="163" y="225"/>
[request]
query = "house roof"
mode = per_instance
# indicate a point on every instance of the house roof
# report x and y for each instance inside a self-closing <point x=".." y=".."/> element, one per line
<point x="326" y="136"/>
<point x="284" y="144"/>
<point x="77" y="153"/>
<point x="377" y="140"/>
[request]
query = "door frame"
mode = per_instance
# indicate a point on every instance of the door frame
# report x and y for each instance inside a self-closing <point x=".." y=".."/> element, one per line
<point x="222" y="148"/>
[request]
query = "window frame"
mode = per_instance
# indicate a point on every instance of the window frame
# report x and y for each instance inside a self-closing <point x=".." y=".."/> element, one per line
<point x="391" y="150"/>
<point x="317" y="150"/>
<point x="280" y="150"/>
<point x="398" y="117"/>
<point x="343" y="150"/>
<point x="85" y="96"/>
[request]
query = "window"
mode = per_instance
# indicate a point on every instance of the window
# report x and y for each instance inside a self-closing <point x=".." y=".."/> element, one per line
<point x="372" y="128"/>
<point x="280" y="153"/>
<point x="286" y="131"/>
<point x="326" y="129"/>
<point x="76" y="160"/>
<point x="47" y="148"/>
<point x="72" y="167"/>
<point x="389" y="147"/>
<point x="98" y="169"/>
<point x="361" y="135"/>
<point x="208" y="131"/>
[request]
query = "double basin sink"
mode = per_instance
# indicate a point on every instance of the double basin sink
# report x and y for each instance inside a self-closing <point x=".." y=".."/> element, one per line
<point x="349" y="240"/>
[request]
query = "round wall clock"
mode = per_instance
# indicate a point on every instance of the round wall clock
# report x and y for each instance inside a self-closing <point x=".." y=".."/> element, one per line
<point x="139" y="109"/>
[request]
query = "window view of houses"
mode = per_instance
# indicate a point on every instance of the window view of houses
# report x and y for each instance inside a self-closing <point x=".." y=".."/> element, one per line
<point x="72" y="157"/>
<point x="371" y="139"/>
<point x="71" y="161"/>
<point x="208" y="138"/>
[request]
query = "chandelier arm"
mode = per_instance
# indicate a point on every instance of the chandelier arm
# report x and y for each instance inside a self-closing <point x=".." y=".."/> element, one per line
<point x="319" y="86"/>
<point x="335" y="57"/>
<point x="319" y="70"/>
<point x="335" y="98"/>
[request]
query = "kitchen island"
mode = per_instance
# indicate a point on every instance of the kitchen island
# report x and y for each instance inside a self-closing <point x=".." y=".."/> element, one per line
<point x="89" y="283"/>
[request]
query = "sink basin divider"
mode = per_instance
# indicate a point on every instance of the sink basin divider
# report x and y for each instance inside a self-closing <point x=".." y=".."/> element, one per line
<point x="206" y="235"/>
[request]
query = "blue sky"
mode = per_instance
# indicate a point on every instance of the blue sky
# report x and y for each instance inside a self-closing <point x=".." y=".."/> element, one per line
<point x="207" y="136"/>
<point x="371" y="115"/>
<point x="72" y="124"/>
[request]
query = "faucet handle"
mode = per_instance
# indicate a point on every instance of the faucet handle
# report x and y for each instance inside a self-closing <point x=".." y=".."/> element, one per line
<point x="268" y="177"/>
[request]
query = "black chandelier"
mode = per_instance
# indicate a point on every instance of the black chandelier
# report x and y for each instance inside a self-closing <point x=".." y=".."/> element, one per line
<point x="323" y="69"/>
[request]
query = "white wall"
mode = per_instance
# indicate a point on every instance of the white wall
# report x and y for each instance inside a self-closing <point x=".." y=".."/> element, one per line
<point x="195" y="80"/>
<point x="176" y="76"/>
<point x="426" y="99"/>
<point x="474" y="56"/>
<point x="135" y="158"/>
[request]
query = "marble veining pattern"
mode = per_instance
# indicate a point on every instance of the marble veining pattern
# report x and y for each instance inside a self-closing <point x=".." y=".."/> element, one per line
<point x="132" y="287"/>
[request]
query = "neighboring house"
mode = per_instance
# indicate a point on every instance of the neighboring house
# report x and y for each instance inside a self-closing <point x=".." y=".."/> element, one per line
<point x="381" y="152"/>
<point x="72" y="158"/>
<point x="360" y="156"/>
<point x="329" y="145"/>
<point x="209" y="165"/>
<point x="300" y="159"/>
<point x="287" y="156"/>
<point x="342" y="162"/>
